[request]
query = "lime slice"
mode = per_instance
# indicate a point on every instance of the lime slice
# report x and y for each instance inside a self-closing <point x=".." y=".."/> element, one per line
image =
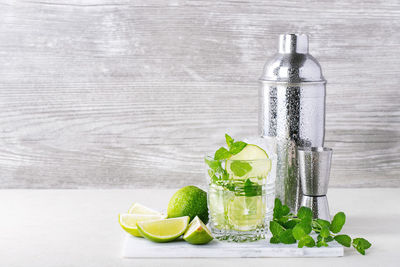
<point x="128" y="221"/>
<point x="250" y="152"/>
<point x="138" y="208"/>
<point x="163" y="230"/>
<point x="256" y="157"/>
<point x="246" y="213"/>
<point x="197" y="233"/>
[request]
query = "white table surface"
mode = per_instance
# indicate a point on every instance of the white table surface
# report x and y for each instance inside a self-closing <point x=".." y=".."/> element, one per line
<point x="80" y="228"/>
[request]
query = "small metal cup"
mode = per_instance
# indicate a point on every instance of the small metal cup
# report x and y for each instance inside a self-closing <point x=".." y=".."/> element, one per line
<point x="318" y="205"/>
<point x="314" y="170"/>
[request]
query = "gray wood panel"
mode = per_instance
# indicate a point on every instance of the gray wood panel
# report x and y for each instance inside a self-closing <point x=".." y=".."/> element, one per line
<point x="127" y="94"/>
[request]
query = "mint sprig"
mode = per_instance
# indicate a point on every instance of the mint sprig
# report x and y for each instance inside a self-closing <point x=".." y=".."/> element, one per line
<point x="222" y="153"/>
<point x="233" y="148"/>
<point x="217" y="173"/>
<point x="288" y="228"/>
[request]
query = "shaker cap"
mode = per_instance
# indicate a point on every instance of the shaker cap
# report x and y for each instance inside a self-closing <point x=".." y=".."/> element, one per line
<point x="293" y="63"/>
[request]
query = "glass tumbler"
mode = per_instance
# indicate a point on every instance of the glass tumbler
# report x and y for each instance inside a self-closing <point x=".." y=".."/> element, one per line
<point x="240" y="197"/>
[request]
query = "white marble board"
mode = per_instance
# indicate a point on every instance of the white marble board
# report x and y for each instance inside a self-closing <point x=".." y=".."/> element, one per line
<point x="141" y="248"/>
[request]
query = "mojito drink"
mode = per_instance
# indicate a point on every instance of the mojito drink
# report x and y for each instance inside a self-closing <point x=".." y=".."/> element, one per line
<point x="238" y="189"/>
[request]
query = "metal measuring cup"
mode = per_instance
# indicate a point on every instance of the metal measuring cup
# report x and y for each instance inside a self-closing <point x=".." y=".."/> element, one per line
<point x="314" y="170"/>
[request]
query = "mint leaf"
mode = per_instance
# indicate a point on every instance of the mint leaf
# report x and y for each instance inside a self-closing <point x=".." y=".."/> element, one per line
<point x="343" y="240"/>
<point x="280" y="210"/>
<point x="221" y="153"/>
<point x="290" y="224"/>
<point x="230" y="187"/>
<point x="325" y="232"/>
<point x="298" y="232"/>
<point x="323" y="223"/>
<point x="225" y="175"/>
<point x="252" y="189"/>
<point x="305" y="213"/>
<point x="307" y="241"/>
<point x="285" y="210"/>
<point x="360" y="249"/>
<point x="240" y="168"/>
<point x="214" y="165"/>
<point x="361" y="244"/>
<point x="306" y="226"/>
<point x="213" y="177"/>
<point x="277" y="208"/>
<point x="329" y="239"/>
<point x="286" y="237"/>
<point x="229" y="140"/>
<point x="236" y="147"/>
<point x="322" y="243"/>
<point x="275" y="228"/>
<point x="337" y="223"/>
<point x="274" y="240"/>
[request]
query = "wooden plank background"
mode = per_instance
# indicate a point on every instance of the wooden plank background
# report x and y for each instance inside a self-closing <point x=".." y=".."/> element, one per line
<point x="128" y="94"/>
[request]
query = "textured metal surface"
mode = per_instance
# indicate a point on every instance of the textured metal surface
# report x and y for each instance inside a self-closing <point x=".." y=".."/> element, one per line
<point x="293" y="63"/>
<point x="314" y="170"/>
<point x="292" y="108"/>
<point x="318" y="205"/>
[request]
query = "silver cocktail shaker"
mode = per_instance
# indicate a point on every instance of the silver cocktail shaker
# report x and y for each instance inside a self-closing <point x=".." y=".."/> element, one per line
<point x="292" y="109"/>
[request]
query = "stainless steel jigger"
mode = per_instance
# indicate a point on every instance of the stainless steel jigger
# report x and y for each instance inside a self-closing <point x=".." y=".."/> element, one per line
<point x="314" y="169"/>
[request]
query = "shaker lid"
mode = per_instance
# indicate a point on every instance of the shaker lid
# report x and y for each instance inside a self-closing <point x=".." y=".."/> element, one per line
<point x="293" y="63"/>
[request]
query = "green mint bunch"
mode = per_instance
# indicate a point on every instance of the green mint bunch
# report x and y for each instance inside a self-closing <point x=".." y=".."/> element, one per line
<point x="288" y="228"/>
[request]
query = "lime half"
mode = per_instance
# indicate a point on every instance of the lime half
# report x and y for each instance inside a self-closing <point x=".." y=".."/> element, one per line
<point x="163" y="230"/>
<point x="197" y="233"/>
<point x="128" y="221"/>
<point x="138" y="208"/>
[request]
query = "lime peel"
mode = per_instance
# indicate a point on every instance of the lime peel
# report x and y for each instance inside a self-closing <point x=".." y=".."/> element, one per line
<point x="197" y="233"/>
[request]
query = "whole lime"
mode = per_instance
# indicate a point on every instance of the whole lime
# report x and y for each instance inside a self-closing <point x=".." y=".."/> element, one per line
<point x="189" y="201"/>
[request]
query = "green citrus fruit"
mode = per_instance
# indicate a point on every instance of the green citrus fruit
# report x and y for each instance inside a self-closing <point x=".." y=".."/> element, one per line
<point x="197" y="233"/>
<point x="189" y="201"/>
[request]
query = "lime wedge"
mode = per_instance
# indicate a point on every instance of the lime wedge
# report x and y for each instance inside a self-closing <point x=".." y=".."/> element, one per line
<point x="246" y="213"/>
<point x="197" y="233"/>
<point x="138" y="208"/>
<point x="256" y="157"/>
<point x="163" y="230"/>
<point x="128" y="221"/>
